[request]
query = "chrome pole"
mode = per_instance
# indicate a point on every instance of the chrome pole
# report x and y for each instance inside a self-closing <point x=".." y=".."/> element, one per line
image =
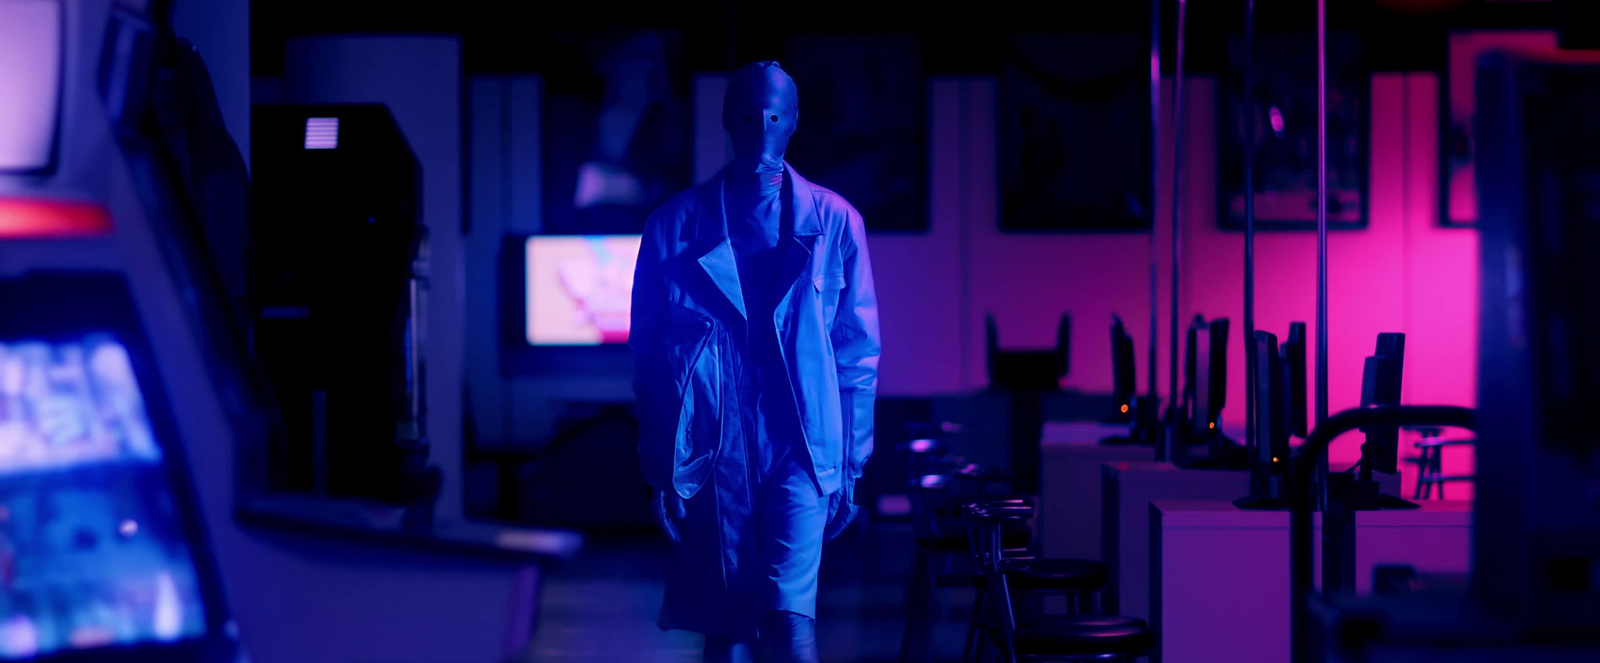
<point x="1155" y="185"/>
<point x="1171" y="441"/>
<point x="1250" y="403"/>
<point x="1322" y="244"/>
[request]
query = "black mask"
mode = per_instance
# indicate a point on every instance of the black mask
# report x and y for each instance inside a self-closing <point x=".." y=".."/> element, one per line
<point x="760" y="113"/>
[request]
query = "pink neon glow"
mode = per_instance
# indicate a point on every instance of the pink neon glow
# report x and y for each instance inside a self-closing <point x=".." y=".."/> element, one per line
<point x="922" y="446"/>
<point x="40" y="219"/>
<point x="1277" y="120"/>
<point x="30" y="82"/>
<point x="1404" y="272"/>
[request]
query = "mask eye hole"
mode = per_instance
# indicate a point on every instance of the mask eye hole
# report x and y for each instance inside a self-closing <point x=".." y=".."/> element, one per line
<point x="774" y="118"/>
<point x="750" y="118"/>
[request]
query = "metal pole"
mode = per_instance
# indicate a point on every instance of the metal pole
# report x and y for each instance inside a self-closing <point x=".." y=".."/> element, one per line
<point x="1249" y="236"/>
<point x="1155" y="185"/>
<point x="1322" y="244"/>
<point x="1177" y="234"/>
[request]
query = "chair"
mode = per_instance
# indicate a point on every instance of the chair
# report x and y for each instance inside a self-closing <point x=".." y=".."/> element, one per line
<point x="1074" y="637"/>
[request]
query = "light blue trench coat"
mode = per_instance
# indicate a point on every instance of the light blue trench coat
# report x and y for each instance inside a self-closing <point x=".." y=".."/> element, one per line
<point x="687" y="306"/>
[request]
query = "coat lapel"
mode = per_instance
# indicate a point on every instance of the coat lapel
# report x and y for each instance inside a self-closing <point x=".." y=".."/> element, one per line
<point x="803" y="230"/>
<point x="717" y="257"/>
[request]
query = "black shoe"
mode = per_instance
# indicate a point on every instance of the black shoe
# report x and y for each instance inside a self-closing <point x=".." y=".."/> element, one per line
<point x="789" y="638"/>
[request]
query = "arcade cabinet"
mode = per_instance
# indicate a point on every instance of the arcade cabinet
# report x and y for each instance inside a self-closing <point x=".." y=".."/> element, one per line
<point x="338" y="274"/>
<point x="126" y="426"/>
<point x="1026" y="375"/>
<point x="101" y="533"/>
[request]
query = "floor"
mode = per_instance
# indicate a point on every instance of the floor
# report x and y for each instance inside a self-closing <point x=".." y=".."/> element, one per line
<point x="602" y="606"/>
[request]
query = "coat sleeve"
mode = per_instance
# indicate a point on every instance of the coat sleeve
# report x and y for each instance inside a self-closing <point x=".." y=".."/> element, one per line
<point x="651" y="382"/>
<point x="856" y="346"/>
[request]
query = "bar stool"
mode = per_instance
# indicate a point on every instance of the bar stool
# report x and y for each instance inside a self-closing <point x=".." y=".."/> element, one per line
<point x="1044" y="637"/>
<point x="1430" y="463"/>
<point x="1078" y="580"/>
<point x="941" y="560"/>
<point x="942" y="557"/>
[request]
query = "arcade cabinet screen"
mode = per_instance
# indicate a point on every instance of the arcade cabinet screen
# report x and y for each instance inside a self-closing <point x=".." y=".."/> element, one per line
<point x="93" y="550"/>
<point x="30" y="83"/>
<point x="579" y="289"/>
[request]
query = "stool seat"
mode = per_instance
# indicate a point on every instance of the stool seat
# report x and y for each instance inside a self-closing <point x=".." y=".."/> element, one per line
<point x="1082" y="634"/>
<point x="1018" y="536"/>
<point x="1055" y="574"/>
<point x="958" y="542"/>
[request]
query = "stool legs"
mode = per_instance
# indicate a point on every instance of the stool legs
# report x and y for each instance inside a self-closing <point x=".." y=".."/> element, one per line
<point x="971" y="651"/>
<point x="914" y="639"/>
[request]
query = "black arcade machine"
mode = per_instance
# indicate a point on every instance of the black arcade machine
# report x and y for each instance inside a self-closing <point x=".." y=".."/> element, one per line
<point x="339" y="288"/>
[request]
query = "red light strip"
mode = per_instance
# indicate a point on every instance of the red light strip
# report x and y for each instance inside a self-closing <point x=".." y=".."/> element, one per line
<point x="41" y="219"/>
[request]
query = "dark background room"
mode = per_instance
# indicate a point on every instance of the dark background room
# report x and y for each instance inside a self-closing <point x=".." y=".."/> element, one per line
<point x="320" y="330"/>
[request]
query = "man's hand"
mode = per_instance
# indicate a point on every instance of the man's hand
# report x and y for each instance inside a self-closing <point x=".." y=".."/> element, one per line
<point x="842" y="509"/>
<point x="669" y="510"/>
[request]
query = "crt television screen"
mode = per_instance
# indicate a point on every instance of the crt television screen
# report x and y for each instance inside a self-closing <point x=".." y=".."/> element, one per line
<point x="579" y="288"/>
<point x="93" y="549"/>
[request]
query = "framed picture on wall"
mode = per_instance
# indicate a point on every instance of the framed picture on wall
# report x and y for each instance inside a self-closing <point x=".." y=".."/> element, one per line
<point x="863" y="123"/>
<point x="1074" y="132"/>
<point x="1458" y="109"/>
<point x="617" y="130"/>
<point x="1280" y="120"/>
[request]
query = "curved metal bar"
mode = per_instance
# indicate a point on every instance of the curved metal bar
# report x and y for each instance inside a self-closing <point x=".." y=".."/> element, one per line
<point x="1301" y="576"/>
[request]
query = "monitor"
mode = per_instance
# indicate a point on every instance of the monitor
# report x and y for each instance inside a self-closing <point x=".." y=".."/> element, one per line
<point x="579" y="289"/>
<point x="1380" y="385"/>
<point x="101" y="546"/>
<point x="1210" y="377"/>
<point x="1294" y="360"/>
<point x="1122" y="370"/>
<point x="1269" y="458"/>
<point x="31" y="56"/>
<point x="1186" y="408"/>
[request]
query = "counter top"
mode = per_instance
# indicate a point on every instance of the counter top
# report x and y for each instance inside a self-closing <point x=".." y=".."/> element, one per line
<point x="1203" y="514"/>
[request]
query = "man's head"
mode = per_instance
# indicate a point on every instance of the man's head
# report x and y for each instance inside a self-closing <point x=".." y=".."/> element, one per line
<point x="760" y="112"/>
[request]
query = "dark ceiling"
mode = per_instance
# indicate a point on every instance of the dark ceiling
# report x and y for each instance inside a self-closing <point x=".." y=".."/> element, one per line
<point x="516" y="37"/>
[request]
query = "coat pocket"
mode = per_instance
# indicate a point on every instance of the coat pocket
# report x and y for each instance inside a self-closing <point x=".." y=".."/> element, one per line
<point x="697" y="367"/>
<point x="828" y="287"/>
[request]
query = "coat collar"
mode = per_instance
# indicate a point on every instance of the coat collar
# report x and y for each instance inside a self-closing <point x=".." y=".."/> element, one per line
<point x="801" y="224"/>
<point x="799" y="210"/>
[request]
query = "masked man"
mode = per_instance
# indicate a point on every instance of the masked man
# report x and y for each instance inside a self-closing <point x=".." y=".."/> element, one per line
<point x="755" y="329"/>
